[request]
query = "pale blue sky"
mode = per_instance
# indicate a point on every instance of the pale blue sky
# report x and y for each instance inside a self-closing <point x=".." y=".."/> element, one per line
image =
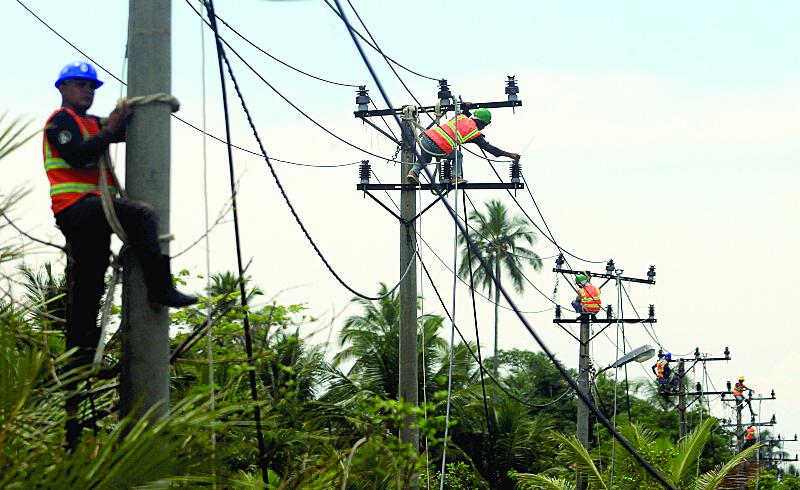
<point x="676" y="121"/>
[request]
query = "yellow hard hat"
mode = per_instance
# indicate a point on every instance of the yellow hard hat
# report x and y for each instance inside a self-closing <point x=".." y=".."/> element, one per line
<point x="741" y="378"/>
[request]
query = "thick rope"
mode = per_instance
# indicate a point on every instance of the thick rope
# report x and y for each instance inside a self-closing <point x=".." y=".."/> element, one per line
<point x="106" y="168"/>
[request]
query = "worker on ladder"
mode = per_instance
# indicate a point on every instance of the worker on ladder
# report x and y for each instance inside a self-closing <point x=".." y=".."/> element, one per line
<point x="738" y="395"/>
<point x="749" y="437"/>
<point x="588" y="300"/>
<point x="73" y="144"/>
<point x="666" y="380"/>
<point x="440" y="142"/>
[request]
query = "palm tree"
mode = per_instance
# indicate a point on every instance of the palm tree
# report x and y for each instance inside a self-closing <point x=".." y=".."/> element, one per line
<point x="503" y="241"/>
<point x="677" y="464"/>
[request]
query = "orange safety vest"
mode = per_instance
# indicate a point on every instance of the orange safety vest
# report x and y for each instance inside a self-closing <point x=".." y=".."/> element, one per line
<point x="751" y="432"/>
<point x="67" y="183"/>
<point x="738" y="389"/>
<point x="590" y="298"/>
<point x="660" y="368"/>
<point x="445" y="135"/>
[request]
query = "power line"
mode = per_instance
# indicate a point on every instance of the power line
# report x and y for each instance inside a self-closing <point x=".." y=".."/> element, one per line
<point x="286" y="99"/>
<point x="582" y="395"/>
<point x="298" y="70"/>
<point x="283" y="191"/>
<point x="248" y="339"/>
<point x="395" y="62"/>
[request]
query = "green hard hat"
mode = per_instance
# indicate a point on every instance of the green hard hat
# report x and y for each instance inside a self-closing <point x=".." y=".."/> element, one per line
<point x="482" y="115"/>
<point x="581" y="279"/>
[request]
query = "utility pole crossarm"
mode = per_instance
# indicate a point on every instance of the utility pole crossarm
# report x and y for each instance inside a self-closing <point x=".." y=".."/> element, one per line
<point x="444" y="108"/>
<point x="606" y="276"/>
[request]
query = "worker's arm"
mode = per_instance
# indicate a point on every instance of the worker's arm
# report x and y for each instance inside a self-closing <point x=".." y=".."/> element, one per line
<point x="65" y="136"/>
<point x="493" y="150"/>
<point x="653" y="367"/>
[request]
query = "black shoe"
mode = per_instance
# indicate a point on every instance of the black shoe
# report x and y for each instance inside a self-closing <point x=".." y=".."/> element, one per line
<point x="160" y="290"/>
<point x="174" y="298"/>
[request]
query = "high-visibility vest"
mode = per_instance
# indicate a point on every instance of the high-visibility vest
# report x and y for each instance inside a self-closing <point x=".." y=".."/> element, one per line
<point x="660" y="367"/>
<point x="738" y="389"/>
<point x="590" y="298"/>
<point x="461" y="127"/>
<point x="751" y="432"/>
<point x="67" y="183"/>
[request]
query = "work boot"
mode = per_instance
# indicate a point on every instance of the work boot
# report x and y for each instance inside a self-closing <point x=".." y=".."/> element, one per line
<point x="458" y="180"/>
<point x="413" y="177"/>
<point x="160" y="290"/>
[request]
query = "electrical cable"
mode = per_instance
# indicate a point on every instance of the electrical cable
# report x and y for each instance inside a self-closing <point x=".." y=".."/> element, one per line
<point x="378" y="49"/>
<point x="286" y="197"/>
<point x="489" y="425"/>
<point x="209" y="307"/>
<point x="174" y="116"/>
<point x="444" y="264"/>
<point x="222" y="60"/>
<point x="452" y="350"/>
<point x="286" y="99"/>
<point x="487" y="372"/>
<point x="287" y="65"/>
<point x="545" y="296"/>
<point x="562" y="370"/>
<point x="388" y="63"/>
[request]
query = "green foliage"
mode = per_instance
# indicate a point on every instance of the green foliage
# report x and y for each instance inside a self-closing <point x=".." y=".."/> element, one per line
<point x="459" y="476"/>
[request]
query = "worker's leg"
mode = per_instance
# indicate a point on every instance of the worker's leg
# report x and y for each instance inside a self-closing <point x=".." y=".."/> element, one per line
<point x="456" y="157"/>
<point x="427" y="149"/>
<point x="141" y="225"/>
<point x="88" y="239"/>
<point x="576" y="305"/>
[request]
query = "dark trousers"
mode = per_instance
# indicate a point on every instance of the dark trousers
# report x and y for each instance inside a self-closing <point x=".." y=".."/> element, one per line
<point x="88" y="238"/>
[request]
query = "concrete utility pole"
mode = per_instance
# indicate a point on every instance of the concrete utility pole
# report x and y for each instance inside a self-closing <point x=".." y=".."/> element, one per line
<point x="583" y="384"/>
<point x="684" y="426"/>
<point x="145" y="331"/>
<point x="408" y="389"/>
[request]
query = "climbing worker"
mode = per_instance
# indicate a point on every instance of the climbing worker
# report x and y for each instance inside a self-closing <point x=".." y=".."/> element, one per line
<point x="440" y="141"/>
<point x="665" y="379"/>
<point x="738" y="395"/>
<point x="749" y="437"/>
<point x="73" y="143"/>
<point x="588" y="299"/>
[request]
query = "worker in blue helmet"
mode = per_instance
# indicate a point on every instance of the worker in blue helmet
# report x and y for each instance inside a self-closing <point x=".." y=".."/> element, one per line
<point x="665" y="379"/>
<point x="73" y="143"/>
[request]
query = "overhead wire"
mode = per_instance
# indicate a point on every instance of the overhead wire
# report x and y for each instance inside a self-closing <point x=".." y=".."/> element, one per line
<point x="444" y="264"/>
<point x="581" y="394"/>
<point x="287" y="100"/>
<point x="209" y="307"/>
<point x="368" y="43"/>
<point x="275" y="58"/>
<point x="285" y="196"/>
<point x="221" y="59"/>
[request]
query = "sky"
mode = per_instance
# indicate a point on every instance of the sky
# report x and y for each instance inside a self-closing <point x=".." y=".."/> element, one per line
<point x="675" y="125"/>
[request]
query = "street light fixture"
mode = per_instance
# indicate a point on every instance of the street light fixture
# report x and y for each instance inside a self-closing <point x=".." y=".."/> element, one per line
<point x="639" y="354"/>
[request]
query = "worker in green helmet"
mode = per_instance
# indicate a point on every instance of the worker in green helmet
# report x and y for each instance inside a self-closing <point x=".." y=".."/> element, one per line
<point x="444" y="141"/>
<point x="588" y="300"/>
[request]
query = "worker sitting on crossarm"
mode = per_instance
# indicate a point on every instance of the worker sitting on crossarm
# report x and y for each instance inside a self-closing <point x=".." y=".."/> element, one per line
<point x="749" y="437"/>
<point x="73" y="144"/>
<point x="441" y="141"/>
<point x="588" y="299"/>
<point x="738" y="395"/>
<point x="665" y="378"/>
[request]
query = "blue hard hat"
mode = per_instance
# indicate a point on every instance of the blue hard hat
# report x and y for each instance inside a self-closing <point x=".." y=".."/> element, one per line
<point x="668" y="356"/>
<point x="79" y="69"/>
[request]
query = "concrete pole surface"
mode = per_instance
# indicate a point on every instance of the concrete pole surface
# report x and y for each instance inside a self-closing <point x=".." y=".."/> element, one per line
<point x="145" y="331"/>
<point x="582" y="421"/>
<point x="408" y="369"/>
